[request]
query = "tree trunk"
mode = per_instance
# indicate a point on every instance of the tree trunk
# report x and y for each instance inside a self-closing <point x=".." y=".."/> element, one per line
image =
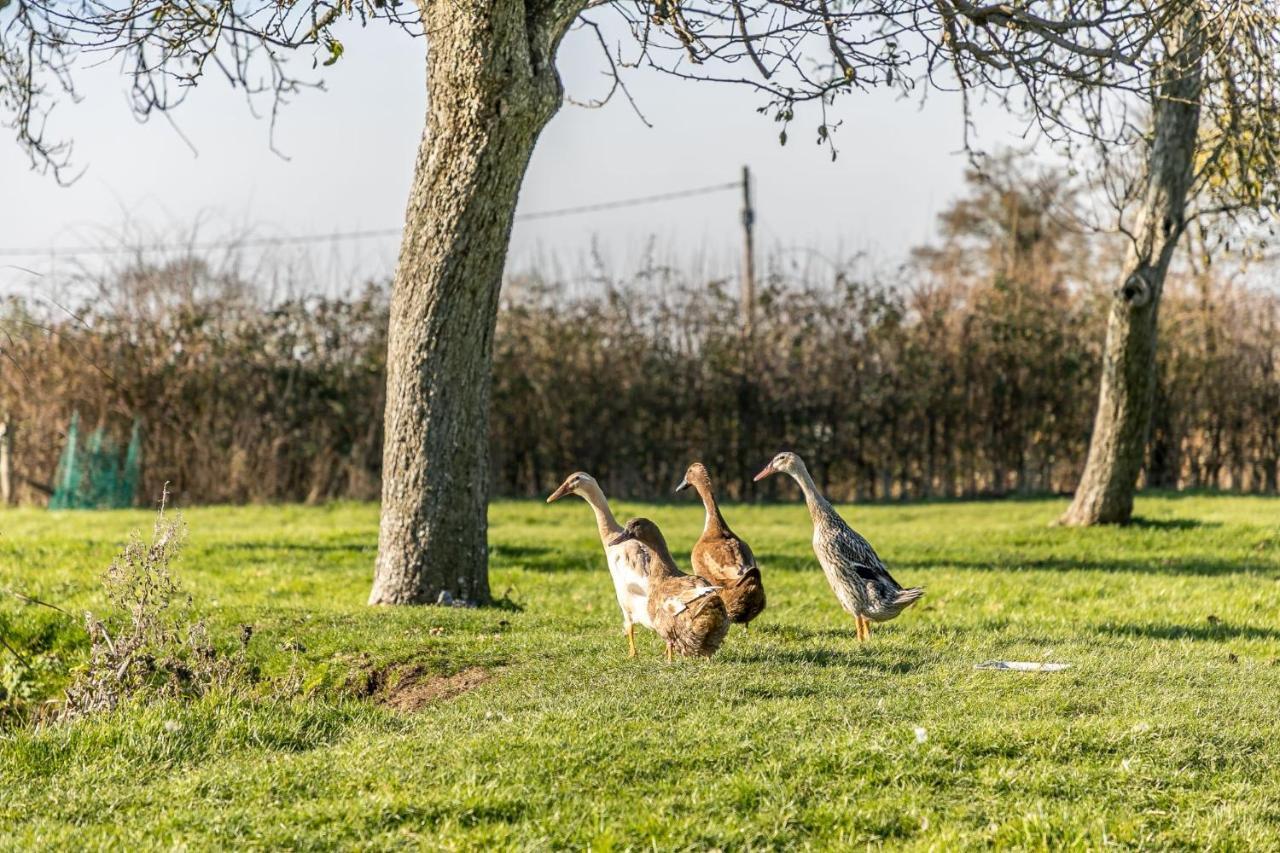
<point x="492" y="87"/>
<point x="1120" y="428"/>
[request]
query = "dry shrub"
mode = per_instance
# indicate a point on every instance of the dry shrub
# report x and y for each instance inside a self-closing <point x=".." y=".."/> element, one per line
<point x="152" y="646"/>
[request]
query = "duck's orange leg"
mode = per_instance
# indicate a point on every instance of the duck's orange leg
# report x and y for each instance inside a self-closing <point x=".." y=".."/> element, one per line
<point x="864" y="633"/>
<point x="670" y="657"/>
<point x="631" y="640"/>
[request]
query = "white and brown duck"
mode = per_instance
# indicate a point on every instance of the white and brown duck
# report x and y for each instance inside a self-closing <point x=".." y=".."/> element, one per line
<point x="628" y="560"/>
<point x="722" y="557"/>
<point x="856" y="573"/>
<point x="685" y="610"/>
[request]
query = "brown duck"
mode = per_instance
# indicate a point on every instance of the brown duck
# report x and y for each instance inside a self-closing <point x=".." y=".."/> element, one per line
<point x="721" y="557"/>
<point x="685" y="610"/>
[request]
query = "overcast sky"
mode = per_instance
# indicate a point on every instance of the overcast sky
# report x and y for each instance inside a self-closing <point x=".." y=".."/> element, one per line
<point x="348" y="154"/>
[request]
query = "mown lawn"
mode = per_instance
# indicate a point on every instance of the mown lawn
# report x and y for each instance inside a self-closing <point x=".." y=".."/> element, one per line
<point x="1164" y="733"/>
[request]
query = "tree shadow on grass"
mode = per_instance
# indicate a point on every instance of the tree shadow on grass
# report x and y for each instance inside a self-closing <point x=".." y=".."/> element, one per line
<point x="1205" y="631"/>
<point x="271" y="545"/>
<point x="774" y="561"/>
<point x="540" y="558"/>
<point x="1191" y="564"/>
<point x="505" y="602"/>
<point x="1172" y="523"/>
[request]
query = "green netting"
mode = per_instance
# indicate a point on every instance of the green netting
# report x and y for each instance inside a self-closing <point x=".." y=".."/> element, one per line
<point x="97" y="473"/>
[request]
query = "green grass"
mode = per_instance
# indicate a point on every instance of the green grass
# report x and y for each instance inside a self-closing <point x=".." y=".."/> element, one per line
<point x="1163" y="733"/>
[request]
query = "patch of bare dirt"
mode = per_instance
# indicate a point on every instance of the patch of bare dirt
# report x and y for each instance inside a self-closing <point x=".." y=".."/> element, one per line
<point x="412" y="689"/>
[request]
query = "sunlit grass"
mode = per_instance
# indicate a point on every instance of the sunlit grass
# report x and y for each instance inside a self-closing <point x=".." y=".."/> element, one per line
<point x="1162" y="734"/>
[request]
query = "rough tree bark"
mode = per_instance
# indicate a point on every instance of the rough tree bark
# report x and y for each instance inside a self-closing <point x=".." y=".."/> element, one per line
<point x="492" y="86"/>
<point x="1118" y="444"/>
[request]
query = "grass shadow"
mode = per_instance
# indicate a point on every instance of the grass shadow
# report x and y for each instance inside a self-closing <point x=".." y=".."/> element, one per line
<point x="542" y="558"/>
<point x="1172" y="523"/>
<point x="1191" y="564"/>
<point x="789" y="691"/>
<point x="824" y="658"/>
<point x="1206" y="631"/>
<point x="271" y="545"/>
<point x="797" y="633"/>
<point x="505" y="602"/>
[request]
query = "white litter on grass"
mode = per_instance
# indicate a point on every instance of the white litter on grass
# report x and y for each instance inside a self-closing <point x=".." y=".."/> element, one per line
<point x="1022" y="666"/>
<point x="921" y="734"/>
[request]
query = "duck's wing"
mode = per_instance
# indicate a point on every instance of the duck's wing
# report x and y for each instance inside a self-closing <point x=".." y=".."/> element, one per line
<point x="724" y="559"/>
<point x="855" y="553"/>
<point x="748" y="571"/>
<point x="678" y="598"/>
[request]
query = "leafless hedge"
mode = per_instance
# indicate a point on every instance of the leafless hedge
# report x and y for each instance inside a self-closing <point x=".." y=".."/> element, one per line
<point x="947" y="382"/>
<point x="238" y="402"/>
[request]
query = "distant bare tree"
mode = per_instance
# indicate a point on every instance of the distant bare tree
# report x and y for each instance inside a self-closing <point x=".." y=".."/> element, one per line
<point x="1211" y="148"/>
<point x="492" y="86"/>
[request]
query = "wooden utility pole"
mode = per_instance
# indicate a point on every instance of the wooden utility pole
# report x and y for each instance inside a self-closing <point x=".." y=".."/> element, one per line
<point x="748" y="253"/>
<point x="6" y="463"/>
<point x="747" y="298"/>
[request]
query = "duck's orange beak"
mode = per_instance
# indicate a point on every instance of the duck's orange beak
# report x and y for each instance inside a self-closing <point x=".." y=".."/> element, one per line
<point x="765" y="472"/>
<point x="560" y="492"/>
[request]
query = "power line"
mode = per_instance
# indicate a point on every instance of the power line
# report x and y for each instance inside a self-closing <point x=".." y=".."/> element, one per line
<point x="340" y="236"/>
<point x="248" y="242"/>
<point x="629" y="202"/>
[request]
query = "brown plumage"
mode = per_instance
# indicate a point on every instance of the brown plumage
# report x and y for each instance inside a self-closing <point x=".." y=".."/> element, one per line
<point x="723" y="558"/>
<point x="685" y="610"/>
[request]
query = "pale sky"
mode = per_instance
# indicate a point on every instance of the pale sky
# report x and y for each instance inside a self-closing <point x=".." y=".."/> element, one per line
<point x="351" y="149"/>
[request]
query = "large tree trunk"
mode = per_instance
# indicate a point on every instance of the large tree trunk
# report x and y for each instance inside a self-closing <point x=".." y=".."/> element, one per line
<point x="1120" y="428"/>
<point x="492" y="87"/>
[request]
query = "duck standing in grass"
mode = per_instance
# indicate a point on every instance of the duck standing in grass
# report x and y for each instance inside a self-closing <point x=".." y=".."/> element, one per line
<point x="684" y="609"/>
<point x="857" y="576"/>
<point x="721" y="557"/>
<point x="628" y="561"/>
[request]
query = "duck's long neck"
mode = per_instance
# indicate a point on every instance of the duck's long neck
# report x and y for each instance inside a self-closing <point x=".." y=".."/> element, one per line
<point x="715" y="524"/>
<point x="605" y="522"/>
<point x="663" y="565"/>
<point x="818" y="506"/>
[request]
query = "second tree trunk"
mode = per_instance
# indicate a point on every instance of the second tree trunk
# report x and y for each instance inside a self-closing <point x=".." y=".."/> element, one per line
<point x="1117" y="447"/>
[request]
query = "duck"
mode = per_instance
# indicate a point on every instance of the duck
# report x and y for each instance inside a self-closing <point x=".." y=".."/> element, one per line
<point x="857" y="575"/>
<point x="686" y="610"/>
<point x="628" y="561"/>
<point x="722" y="557"/>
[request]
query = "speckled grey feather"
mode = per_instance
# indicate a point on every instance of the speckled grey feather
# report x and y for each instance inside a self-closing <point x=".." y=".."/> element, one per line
<point x="855" y="571"/>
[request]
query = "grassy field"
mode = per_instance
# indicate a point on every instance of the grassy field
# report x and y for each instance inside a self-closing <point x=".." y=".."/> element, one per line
<point x="1164" y="733"/>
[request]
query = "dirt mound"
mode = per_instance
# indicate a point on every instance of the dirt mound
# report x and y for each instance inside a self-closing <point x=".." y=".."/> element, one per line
<point x="413" y="690"/>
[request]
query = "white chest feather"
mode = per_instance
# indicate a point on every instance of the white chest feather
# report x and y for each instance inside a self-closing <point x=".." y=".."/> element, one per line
<point x="627" y="564"/>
